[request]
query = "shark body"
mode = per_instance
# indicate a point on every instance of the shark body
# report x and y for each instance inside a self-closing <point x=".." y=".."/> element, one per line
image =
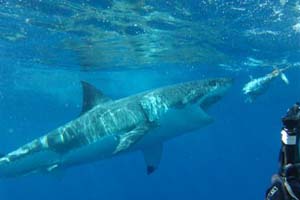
<point x="107" y="127"/>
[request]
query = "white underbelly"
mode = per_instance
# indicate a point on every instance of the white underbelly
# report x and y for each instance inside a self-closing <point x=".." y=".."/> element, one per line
<point x="175" y="123"/>
<point x="96" y="151"/>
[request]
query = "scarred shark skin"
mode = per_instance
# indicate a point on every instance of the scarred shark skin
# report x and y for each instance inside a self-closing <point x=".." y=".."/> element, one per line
<point x="107" y="128"/>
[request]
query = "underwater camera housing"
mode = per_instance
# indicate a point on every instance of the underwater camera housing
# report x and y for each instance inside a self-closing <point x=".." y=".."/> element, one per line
<point x="290" y="135"/>
<point x="291" y="120"/>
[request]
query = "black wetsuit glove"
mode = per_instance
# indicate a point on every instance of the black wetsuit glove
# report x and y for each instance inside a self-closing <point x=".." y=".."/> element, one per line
<point x="295" y="186"/>
<point x="284" y="188"/>
<point x="276" y="191"/>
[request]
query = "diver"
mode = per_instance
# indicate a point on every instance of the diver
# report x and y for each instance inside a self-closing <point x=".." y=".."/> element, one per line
<point x="260" y="85"/>
<point x="286" y="184"/>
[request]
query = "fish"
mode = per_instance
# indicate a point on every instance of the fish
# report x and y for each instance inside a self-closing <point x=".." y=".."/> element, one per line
<point x="258" y="86"/>
<point x="106" y="128"/>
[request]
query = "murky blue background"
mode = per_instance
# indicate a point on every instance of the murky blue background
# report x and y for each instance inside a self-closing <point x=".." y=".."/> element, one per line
<point x="124" y="47"/>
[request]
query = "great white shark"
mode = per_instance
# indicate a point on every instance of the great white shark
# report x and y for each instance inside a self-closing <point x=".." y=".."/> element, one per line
<point x="107" y="127"/>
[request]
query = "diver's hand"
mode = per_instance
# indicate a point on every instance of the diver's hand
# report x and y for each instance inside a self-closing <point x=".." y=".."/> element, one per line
<point x="283" y="188"/>
<point x="291" y="120"/>
<point x="276" y="191"/>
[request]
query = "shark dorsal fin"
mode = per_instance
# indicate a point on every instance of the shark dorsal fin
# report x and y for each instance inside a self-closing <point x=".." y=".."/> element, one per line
<point x="91" y="97"/>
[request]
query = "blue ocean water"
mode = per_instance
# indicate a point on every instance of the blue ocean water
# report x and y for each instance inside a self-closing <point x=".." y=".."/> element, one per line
<point x="128" y="46"/>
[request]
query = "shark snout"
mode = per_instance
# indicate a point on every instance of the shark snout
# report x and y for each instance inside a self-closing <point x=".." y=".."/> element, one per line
<point x="224" y="84"/>
<point x="219" y="85"/>
<point x="217" y="89"/>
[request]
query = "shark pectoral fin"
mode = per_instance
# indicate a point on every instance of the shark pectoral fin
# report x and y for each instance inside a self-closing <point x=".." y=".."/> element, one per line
<point x="128" y="139"/>
<point x="204" y="116"/>
<point x="92" y="97"/>
<point x="152" y="156"/>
